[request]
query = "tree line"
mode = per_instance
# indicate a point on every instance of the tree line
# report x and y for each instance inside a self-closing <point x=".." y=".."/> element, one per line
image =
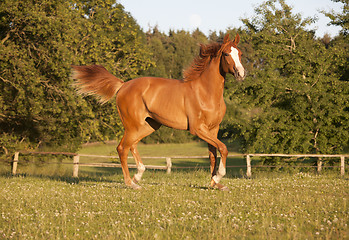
<point x="294" y="98"/>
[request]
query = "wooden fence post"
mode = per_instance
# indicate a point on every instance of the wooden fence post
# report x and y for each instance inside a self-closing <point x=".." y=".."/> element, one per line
<point x="15" y="162"/>
<point x="248" y="163"/>
<point x="319" y="165"/>
<point x="76" y="165"/>
<point x="168" y="164"/>
<point x="342" y="165"/>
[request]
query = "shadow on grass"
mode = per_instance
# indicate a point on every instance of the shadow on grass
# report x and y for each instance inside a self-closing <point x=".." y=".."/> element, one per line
<point x="67" y="179"/>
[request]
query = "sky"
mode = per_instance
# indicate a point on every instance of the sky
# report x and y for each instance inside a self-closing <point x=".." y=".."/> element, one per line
<point x="219" y="15"/>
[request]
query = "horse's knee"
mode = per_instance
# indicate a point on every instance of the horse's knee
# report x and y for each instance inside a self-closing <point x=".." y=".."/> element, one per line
<point x="120" y="149"/>
<point x="223" y="150"/>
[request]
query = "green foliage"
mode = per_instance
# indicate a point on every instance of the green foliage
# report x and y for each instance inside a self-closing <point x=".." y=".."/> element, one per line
<point x="340" y="19"/>
<point x="293" y="99"/>
<point x="39" y="42"/>
<point x="173" y="52"/>
<point x="36" y="97"/>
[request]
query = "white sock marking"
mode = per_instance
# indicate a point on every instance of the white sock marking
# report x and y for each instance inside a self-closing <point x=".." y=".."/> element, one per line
<point x="221" y="172"/>
<point x="139" y="174"/>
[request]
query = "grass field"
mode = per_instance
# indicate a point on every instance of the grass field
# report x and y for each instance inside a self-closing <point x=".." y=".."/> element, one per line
<point x="176" y="206"/>
<point x="51" y="204"/>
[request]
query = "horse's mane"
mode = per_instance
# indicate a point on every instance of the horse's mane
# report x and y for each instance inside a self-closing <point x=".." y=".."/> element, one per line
<point x="199" y="64"/>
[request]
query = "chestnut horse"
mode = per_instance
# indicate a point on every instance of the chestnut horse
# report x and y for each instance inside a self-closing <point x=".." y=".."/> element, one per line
<point x="194" y="103"/>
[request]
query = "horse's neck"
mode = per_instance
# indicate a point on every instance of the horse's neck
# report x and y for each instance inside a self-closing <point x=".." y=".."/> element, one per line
<point x="211" y="79"/>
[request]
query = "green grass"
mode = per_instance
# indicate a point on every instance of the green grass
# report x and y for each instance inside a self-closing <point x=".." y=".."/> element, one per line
<point x="175" y="206"/>
<point x="45" y="202"/>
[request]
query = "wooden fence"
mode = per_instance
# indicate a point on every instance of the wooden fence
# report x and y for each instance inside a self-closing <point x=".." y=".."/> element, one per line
<point x="76" y="160"/>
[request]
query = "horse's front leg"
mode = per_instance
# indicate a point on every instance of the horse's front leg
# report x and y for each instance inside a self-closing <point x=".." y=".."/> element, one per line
<point x="213" y="159"/>
<point x="202" y="132"/>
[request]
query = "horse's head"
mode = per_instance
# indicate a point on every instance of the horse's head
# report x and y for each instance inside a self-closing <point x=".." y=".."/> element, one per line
<point x="231" y="58"/>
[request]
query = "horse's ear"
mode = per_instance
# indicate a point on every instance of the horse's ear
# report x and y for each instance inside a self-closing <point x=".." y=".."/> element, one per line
<point x="237" y="39"/>
<point x="226" y="38"/>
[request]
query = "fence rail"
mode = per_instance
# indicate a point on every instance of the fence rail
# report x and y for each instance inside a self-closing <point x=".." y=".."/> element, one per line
<point x="76" y="160"/>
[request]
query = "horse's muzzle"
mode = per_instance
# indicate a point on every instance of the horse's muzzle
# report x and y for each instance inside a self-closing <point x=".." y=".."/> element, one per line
<point x="240" y="74"/>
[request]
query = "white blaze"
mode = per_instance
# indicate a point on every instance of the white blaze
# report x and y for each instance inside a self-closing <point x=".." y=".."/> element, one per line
<point x="235" y="55"/>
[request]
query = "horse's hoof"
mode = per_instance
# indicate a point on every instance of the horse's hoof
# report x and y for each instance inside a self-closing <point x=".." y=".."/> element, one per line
<point x="134" y="180"/>
<point x="219" y="186"/>
<point x="224" y="188"/>
<point x="213" y="183"/>
<point x="134" y="186"/>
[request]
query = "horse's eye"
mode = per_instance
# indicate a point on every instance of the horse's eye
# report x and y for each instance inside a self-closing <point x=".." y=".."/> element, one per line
<point x="226" y="54"/>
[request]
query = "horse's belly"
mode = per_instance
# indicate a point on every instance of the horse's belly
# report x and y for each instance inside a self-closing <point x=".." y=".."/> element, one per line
<point x="167" y="108"/>
<point x="163" y="100"/>
<point x="170" y="117"/>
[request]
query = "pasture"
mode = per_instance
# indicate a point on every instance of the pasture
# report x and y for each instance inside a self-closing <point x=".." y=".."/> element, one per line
<point x="271" y="205"/>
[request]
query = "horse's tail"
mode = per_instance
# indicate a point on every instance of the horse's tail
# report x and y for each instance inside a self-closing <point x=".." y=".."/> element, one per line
<point x="96" y="80"/>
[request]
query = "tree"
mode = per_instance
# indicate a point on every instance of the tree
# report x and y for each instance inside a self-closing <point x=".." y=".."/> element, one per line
<point x="340" y="45"/>
<point x="292" y="100"/>
<point x="39" y="41"/>
<point x="340" y="19"/>
<point x="173" y="52"/>
<point x="36" y="99"/>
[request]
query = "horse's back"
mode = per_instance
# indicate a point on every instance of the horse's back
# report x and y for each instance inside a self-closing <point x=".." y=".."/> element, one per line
<point x="152" y="86"/>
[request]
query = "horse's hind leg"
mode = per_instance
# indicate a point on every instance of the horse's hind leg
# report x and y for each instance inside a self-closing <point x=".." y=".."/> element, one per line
<point x="140" y="166"/>
<point x="128" y="142"/>
<point x="123" y="149"/>
<point x="149" y="127"/>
